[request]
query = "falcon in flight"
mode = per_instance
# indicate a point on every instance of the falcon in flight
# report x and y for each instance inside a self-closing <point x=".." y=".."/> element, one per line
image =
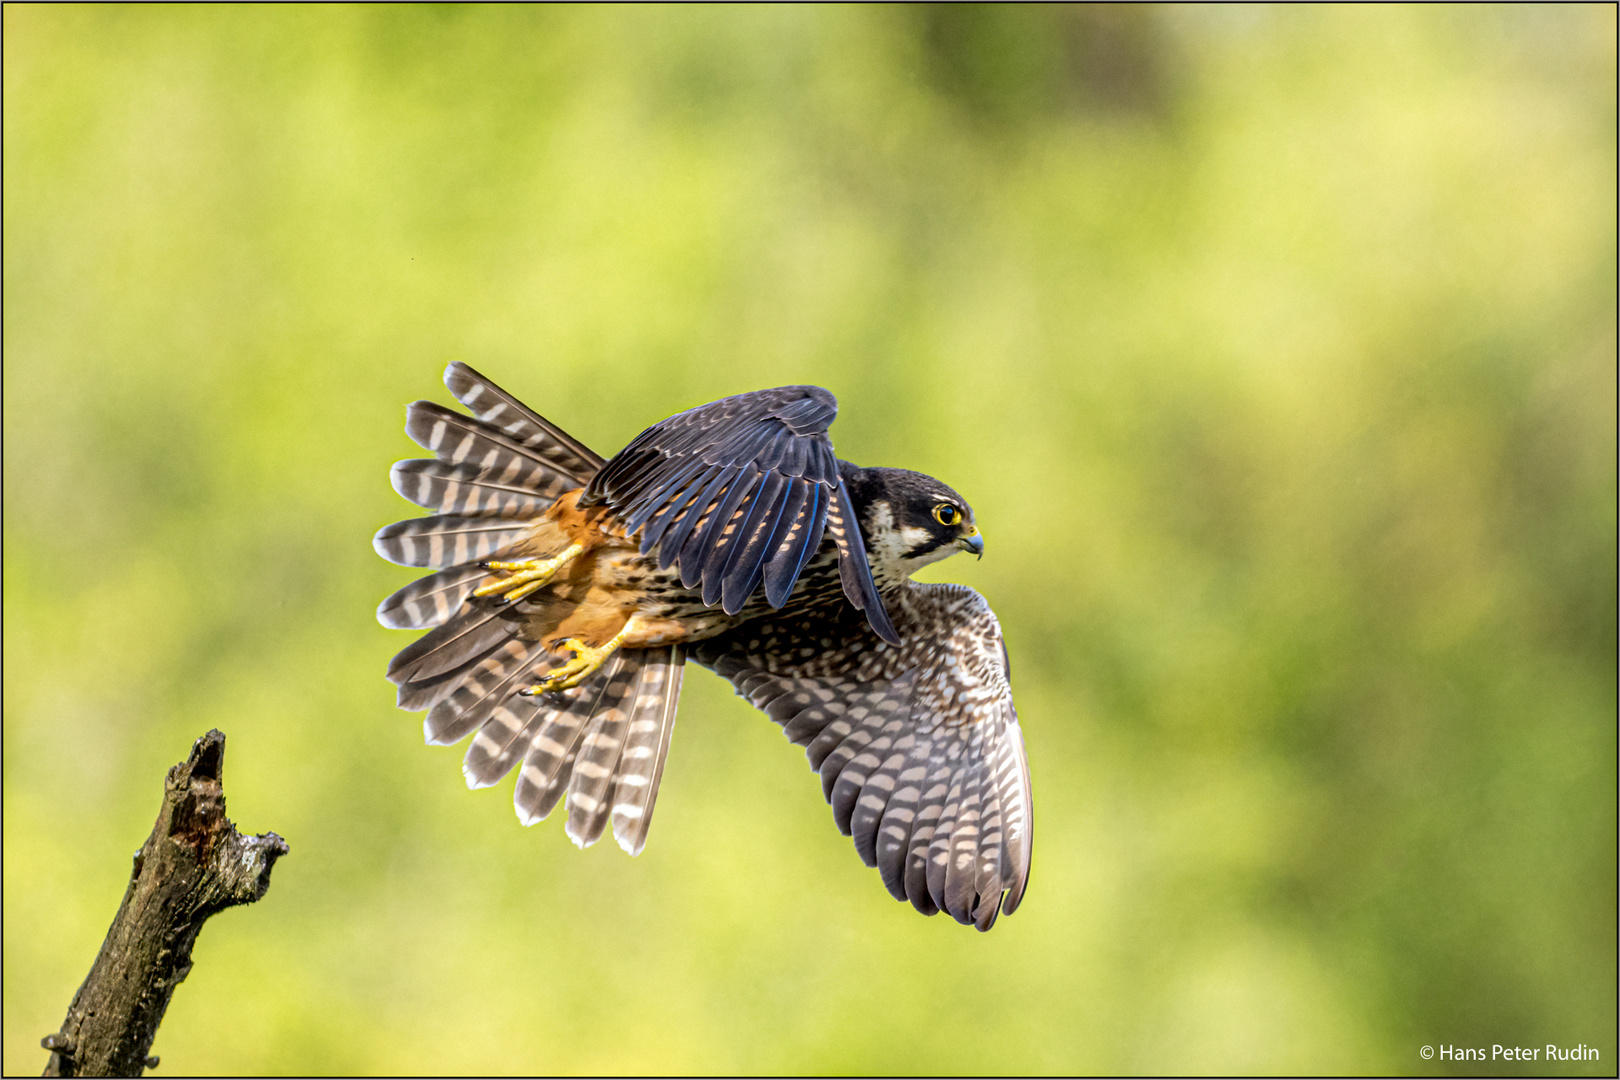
<point x="569" y="591"/>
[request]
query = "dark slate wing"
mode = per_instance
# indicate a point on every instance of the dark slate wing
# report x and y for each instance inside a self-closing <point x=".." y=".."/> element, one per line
<point x="918" y="747"/>
<point x="738" y="494"/>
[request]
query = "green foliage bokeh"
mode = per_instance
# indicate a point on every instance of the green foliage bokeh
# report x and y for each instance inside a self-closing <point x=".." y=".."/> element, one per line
<point x="1274" y="347"/>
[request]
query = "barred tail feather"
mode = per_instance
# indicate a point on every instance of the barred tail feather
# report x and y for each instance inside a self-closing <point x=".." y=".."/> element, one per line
<point x="450" y="698"/>
<point x="500" y="742"/>
<point x="458" y="439"/>
<point x="549" y="763"/>
<point x="621" y="758"/>
<point x="494" y="682"/>
<point x="604" y="749"/>
<point x="641" y="765"/>
<point x="426" y="693"/>
<point x="470" y="634"/>
<point x="518" y="422"/>
<point x="598" y="758"/>
<point x="602" y="744"/>
<point x="432" y="600"/>
<point x="447" y="540"/>
<point x="468" y="490"/>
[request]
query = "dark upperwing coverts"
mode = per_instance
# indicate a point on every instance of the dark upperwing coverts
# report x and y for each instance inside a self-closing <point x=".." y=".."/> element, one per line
<point x="764" y="462"/>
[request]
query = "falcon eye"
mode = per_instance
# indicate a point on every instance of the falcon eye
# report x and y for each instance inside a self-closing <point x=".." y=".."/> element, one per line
<point x="946" y="514"/>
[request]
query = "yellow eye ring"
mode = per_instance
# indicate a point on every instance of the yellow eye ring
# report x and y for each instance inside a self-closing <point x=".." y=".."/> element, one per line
<point x="946" y="514"/>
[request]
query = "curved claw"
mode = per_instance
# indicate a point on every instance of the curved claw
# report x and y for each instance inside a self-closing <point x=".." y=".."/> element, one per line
<point x="587" y="659"/>
<point x="526" y="576"/>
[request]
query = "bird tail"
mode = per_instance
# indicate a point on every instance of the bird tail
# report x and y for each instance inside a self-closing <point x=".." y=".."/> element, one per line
<point x="602" y="743"/>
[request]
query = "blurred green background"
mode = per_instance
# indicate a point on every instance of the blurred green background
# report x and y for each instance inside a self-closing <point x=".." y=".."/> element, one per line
<point x="1274" y="347"/>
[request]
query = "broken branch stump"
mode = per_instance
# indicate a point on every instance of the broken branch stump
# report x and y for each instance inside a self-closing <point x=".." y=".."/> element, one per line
<point x="193" y="865"/>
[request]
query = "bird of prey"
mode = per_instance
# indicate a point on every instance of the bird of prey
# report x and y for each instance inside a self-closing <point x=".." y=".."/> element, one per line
<point x="569" y="591"/>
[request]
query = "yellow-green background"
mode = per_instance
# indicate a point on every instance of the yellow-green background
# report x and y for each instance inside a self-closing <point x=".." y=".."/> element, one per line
<point x="1274" y="347"/>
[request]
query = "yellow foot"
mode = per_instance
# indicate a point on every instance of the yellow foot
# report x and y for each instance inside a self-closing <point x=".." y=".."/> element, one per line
<point x="587" y="659"/>
<point x="525" y="577"/>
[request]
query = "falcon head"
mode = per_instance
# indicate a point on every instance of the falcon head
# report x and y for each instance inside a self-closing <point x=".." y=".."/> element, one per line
<point x="909" y="520"/>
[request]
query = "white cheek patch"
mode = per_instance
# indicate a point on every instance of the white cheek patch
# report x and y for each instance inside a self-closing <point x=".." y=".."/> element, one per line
<point x="912" y="538"/>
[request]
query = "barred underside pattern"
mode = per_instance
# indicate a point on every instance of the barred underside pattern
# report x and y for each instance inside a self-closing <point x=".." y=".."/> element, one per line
<point x="918" y="748"/>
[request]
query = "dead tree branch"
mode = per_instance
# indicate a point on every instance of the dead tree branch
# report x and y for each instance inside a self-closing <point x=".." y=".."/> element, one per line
<point x="193" y="865"/>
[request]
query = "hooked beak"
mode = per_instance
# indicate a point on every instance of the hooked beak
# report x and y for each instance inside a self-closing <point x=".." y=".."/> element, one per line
<point x="972" y="540"/>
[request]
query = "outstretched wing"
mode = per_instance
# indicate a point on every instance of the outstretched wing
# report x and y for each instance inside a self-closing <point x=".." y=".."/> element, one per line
<point x="918" y="746"/>
<point x="739" y="493"/>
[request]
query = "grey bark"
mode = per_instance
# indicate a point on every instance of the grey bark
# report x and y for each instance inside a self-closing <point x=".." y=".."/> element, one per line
<point x="193" y="865"/>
